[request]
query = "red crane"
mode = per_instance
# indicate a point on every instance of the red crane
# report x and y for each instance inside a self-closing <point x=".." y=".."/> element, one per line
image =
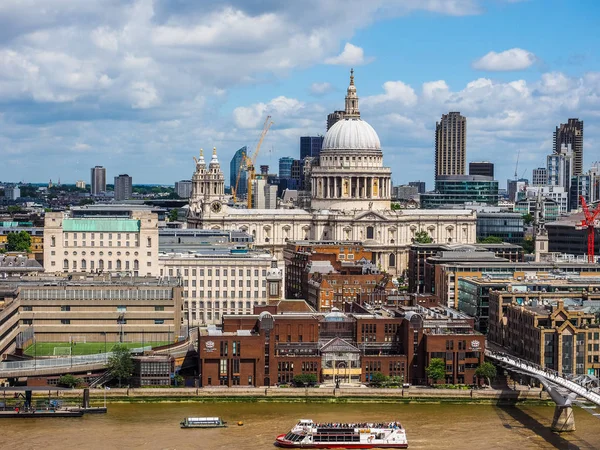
<point x="588" y="222"/>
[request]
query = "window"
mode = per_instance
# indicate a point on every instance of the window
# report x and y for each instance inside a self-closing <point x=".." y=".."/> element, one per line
<point x="65" y="308"/>
<point x="149" y="242"/>
<point x="370" y="232"/>
<point x="65" y="321"/>
<point x="66" y="264"/>
<point x="159" y="321"/>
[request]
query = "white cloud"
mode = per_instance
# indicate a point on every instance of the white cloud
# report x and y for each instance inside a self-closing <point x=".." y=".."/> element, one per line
<point x="320" y="88"/>
<point x="254" y="115"/>
<point x="395" y="92"/>
<point x="508" y="60"/>
<point x="143" y="95"/>
<point x="350" y="56"/>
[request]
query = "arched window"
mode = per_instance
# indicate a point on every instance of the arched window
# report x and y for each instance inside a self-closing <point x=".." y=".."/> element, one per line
<point x="136" y="265"/>
<point x="53" y="243"/>
<point x="392" y="260"/>
<point x="83" y="264"/>
<point x="101" y="264"/>
<point x="92" y="265"/>
<point x="66" y="264"/>
<point x="370" y="232"/>
<point x="118" y="264"/>
<point x="74" y="265"/>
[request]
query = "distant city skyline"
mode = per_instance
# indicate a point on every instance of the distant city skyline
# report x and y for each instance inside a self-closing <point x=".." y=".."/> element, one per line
<point x="94" y="89"/>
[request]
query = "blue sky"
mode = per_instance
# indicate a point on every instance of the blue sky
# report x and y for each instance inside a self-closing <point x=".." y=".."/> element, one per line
<point x="139" y="86"/>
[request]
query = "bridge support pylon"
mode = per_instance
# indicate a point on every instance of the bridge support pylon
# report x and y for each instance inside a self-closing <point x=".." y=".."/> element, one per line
<point x="563" y="420"/>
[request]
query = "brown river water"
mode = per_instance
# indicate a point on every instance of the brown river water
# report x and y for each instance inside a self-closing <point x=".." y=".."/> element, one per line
<point x="156" y="426"/>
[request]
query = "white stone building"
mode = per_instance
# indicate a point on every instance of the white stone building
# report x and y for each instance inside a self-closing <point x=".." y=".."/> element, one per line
<point x="118" y="244"/>
<point x="224" y="280"/>
<point x="351" y="200"/>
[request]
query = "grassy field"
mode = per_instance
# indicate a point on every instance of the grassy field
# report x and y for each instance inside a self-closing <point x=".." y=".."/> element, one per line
<point x="47" y="348"/>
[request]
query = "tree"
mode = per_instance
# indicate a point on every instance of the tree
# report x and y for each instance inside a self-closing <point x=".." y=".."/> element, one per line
<point x="18" y="242"/>
<point x="492" y="240"/>
<point x="396" y="206"/>
<point x="173" y="215"/>
<point x="69" y="381"/>
<point x="528" y="245"/>
<point x="14" y="209"/>
<point x="378" y="379"/>
<point x="436" y="369"/>
<point x="527" y="218"/>
<point x="486" y="370"/>
<point x="422" y="237"/>
<point x="305" y="379"/>
<point x="86" y="201"/>
<point x="120" y="364"/>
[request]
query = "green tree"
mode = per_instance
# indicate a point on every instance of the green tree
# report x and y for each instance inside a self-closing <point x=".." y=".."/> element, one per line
<point x="69" y="381"/>
<point x="528" y="219"/>
<point x="173" y="215"/>
<point x="486" y="370"/>
<point x="396" y="206"/>
<point x="492" y="240"/>
<point x="120" y="364"/>
<point x="436" y="369"/>
<point x="14" y="209"/>
<point x="528" y="245"/>
<point x="422" y="237"/>
<point x="18" y="242"/>
<point x="86" y="201"/>
<point x="305" y="379"/>
<point x="378" y="379"/>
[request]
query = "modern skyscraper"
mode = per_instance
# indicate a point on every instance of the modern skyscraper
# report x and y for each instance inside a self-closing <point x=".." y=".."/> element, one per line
<point x="571" y="133"/>
<point x="285" y="167"/>
<point x="540" y="176"/>
<point x="123" y="187"/>
<point x="98" y="180"/>
<point x="236" y="168"/>
<point x="484" y="168"/>
<point x="420" y="185"/>
<point x="450" y="145"/>
<point x="310" y="146"/>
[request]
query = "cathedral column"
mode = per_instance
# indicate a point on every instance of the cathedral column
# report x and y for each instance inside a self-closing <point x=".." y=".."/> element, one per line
<point x="334" y="187"/>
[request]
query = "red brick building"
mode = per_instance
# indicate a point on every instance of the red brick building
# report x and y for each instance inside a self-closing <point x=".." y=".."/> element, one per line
<point x="273" y="346"/>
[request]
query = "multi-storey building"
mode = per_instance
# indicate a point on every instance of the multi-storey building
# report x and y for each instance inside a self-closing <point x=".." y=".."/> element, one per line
<point x="459" y="190"/>
<point x="450" y="145"/>
<point x="565" y="235"/>
<point x="285" y="167"/>
<point x="539" y="176"/>
<point x="484" y="168"/>
<point x="126" y="243"/>
<point x="273" y="346"/>
<point x="508" y="226"/>
<point x="334" y="117"/>
<point x="36" y="233"/>
<point x="561" y="166"/>
<point x="123" y="187"/>
<point x="222" y="279"/>
<point x="89" y="309"/>
<point x="238" y="177"/>
<point x="420" y="185"/>
<point x="557" y="330"/>
<point x="98" y="180"/>
<point x="571" y="133"/>
<point x="183" y="188"/>
<point x="310" y="146"/>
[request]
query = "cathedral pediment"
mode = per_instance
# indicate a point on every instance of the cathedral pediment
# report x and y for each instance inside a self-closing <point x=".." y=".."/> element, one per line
<point x="370" y="216"/>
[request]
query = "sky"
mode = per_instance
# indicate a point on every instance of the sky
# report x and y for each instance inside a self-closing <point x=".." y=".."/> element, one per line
<point x="140" y="86"/>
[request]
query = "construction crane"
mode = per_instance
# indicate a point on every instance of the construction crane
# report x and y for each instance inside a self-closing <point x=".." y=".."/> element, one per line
<point x="250" y="162"/>
<point x="517" y="165"/>
<point x="588" y="222"/>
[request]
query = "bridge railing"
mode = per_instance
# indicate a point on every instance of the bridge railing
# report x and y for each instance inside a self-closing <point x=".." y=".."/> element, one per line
<point x="551" y="375"/>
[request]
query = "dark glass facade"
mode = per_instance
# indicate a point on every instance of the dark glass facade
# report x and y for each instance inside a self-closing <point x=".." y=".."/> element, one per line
<point x="460" y="189"/>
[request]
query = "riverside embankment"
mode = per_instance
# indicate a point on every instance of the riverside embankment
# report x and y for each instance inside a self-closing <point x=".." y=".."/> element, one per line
<point x="313" y="395"/>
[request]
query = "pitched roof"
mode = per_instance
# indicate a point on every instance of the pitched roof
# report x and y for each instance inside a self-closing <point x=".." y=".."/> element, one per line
<point x="338" y="345"/>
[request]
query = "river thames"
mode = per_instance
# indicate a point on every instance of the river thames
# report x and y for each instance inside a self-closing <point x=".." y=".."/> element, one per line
<point x="156" y="426"/>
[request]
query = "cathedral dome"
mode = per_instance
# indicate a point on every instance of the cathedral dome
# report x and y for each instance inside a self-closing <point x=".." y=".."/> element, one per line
<point x="351" y="134"/>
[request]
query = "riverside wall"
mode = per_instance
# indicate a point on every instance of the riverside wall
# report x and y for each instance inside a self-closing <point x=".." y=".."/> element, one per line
<point x="340" y="395"/>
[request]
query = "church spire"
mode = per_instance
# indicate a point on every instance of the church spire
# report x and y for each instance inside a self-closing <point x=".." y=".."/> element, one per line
<point x="352" y="111"/>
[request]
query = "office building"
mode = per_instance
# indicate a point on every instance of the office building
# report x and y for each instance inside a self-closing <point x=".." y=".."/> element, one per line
<point x="123" y="187"/>
<point x="560" y="166"/>
<point x="539" y="176"/>
<point x="404" y="192"/>
<point x="285" y="167"/>
<point x="98" y="180"/>
<point x="461" y="189"/>
<point x="420" y="185"/>
<point x="484" y="168"/>
<point x="310" y="146"/>
<point x="450" y="145"/>
<point x="238" y="177"/>
<point x="516" y="189"/>
<point x="12" y="192"/>
<point x="123" y="242"/>
<point x="581" y="186"/>
<point x="183" y="188"/>
<point x="565" y="236"/>
<point x="80" y="184"/>
<point x="571" y="133"/>
<point x="222" y="279"/>
<point x="505" y="225"/>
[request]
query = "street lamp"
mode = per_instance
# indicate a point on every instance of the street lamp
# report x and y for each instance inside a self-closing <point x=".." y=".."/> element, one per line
<point x="104" y="334"/>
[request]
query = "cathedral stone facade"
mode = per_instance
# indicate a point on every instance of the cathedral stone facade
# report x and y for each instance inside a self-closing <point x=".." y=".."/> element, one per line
<point x="350" y="201"/>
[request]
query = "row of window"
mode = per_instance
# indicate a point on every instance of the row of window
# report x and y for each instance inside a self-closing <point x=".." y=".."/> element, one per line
<point x="217" y="272"/>
<point x="93" y="244"/>
<point x="68" y="321"/>
<point x="220" y="305"/>
<point x="109" y="265"/>
<point x="217" y="283"/>
<point x="223" y="294"/>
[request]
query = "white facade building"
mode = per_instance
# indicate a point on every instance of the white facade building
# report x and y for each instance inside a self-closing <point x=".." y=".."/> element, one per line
<point x="351" y="200"/>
